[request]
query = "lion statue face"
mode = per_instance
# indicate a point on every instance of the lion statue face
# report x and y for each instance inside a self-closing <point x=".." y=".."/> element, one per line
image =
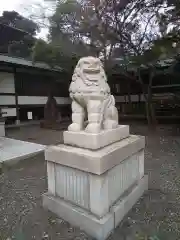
<point x="90" y="70"/>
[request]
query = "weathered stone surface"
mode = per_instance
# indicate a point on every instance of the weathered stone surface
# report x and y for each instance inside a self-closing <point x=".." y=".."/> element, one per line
<point x="95" y="141"/>
<point x="97" y="175"/>
<point x="107" y="188"/>
<point x="99" y="228"/>
<point x="73" y="185"/>
<point x="91" y="98"/>
<point x="122" y="207"/>
<point x="96" y="193"/>
<point x="98" y="161"/>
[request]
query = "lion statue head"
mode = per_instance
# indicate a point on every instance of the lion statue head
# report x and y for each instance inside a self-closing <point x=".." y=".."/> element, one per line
<point x="90" y="70"/>
<point x="89" y="78"/>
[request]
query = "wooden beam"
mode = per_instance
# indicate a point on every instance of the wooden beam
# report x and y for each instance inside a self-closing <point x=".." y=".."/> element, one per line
<point x="16" y="96"/>
<point x="164" y="86"/>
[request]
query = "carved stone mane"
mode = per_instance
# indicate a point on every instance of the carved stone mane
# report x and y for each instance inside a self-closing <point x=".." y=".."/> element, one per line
<point x="89" y="66"/>
<point x="89" y="76"/>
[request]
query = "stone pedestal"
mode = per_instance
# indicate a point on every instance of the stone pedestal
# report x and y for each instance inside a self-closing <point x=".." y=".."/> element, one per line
<point x="96" y="140"/>
<point x="2" y="128"/>
<point x="95" y="188"/>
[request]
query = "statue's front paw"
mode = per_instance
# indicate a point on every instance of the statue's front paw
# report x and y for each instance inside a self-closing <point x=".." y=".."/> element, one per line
<point x="93" y="128"/>
<point x="75" y="127"/>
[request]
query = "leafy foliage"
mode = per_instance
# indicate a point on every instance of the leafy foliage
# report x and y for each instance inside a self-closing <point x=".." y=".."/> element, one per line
<point x="109" y="28"/>
<point x="128" y="35"/>
<point x="137" y="31"/>
<point x="63" y="54"/>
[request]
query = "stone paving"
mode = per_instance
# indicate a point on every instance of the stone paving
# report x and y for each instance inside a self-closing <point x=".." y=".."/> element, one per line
<point x="156" y="215"/>
<point x="13" y="150"/>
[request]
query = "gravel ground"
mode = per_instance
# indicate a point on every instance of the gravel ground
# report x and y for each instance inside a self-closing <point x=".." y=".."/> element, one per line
<point x="156" y="215"/>
<point x="35" y="134"/>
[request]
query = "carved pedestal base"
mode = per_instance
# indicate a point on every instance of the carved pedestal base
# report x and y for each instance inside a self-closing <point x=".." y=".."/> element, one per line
<point x="99" y="228"/>
<point x="94" y="189"/>
<point x="95" y="141"/>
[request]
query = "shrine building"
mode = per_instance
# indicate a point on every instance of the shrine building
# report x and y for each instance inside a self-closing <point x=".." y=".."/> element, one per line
<point x="24" y="88"/>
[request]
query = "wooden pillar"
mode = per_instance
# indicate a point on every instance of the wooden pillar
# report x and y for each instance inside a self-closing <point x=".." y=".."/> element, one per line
<point x="16" y="96"/>
<point x="139" y="102"/>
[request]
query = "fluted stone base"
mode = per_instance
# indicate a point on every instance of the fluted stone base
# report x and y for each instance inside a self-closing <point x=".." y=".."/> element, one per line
<point x="94" y="189"/>
<point x="98" y="228"/>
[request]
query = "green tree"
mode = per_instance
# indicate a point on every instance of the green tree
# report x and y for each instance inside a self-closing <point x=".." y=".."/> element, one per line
<point x="102" y="26"/>
<point x="65" y="43"/>
<point x="141" y="31"/>
<point x="56" y="55"/>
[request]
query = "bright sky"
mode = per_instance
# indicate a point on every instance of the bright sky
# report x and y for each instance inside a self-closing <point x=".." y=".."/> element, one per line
<point x="10" y="5"/>
<point x="21" y="6"/>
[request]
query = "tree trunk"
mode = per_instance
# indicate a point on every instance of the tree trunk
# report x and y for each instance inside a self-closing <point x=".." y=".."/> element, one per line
<point x="129" y="100"/>
<point x="150" y="103"/>
<point x="150" y="112"/>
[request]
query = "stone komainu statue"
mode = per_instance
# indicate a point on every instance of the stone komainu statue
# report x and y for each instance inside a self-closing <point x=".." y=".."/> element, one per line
<point x="91" y="98"/>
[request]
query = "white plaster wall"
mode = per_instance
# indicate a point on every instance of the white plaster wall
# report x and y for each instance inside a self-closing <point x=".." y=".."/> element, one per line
<point x="134" y="98"/>
<point x="37" y="100"/>
<point x="7" y="83"/>
<point x="61" y="100"/>
<point x="119" y="99"/>
<point x="7" y="100"/>
<point x="9" y="112"/>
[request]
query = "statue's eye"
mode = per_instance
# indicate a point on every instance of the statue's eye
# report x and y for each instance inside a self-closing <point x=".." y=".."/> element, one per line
<point x="86" y="63"/>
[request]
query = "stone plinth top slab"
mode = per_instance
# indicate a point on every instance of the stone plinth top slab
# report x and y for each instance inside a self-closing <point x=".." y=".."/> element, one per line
<point x="12" y="150"/>
<point x="98" y="161"/>
<point x="95" y="141"/>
